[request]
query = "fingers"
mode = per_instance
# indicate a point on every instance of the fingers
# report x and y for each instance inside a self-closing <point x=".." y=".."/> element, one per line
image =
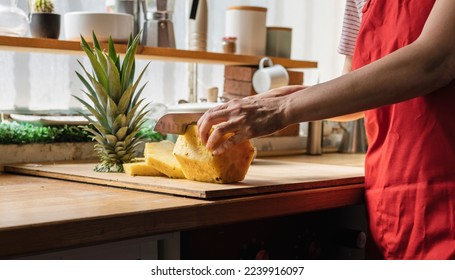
<point x="228" y="144"/>
<point x="208" y="120"/>
<point x="221" y="133"/>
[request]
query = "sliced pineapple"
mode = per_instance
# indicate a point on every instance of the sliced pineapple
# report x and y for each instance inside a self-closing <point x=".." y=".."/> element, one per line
<point x="159" y="155"/>
<point x="141" y="168"/>
<point x="199" y="164"/>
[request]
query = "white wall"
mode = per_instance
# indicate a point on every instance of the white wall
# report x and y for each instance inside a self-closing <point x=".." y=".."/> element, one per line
<point x="46" y="81"/>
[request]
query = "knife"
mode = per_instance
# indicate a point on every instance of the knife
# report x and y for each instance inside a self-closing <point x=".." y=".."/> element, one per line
<point x="176" y="123"/>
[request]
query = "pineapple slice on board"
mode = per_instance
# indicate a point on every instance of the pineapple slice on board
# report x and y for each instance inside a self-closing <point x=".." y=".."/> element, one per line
<point x="159" y="156"/>
<point x="140" y="168"/>
<point x="199" y="164"/>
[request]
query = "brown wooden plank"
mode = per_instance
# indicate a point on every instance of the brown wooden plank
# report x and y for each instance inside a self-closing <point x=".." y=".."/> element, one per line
<point x="166" y="54"/>
<point x="264" y="176"/>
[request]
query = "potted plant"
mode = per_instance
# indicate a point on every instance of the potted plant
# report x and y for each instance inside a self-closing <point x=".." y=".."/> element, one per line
<point x="45" y="23"/>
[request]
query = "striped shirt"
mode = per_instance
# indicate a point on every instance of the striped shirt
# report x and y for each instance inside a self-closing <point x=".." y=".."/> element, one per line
<point x="351" y="26"/>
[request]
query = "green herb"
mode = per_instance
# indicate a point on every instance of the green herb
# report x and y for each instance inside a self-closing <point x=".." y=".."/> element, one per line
<point x="147" y="133"/>
<point x="25" y="133"/>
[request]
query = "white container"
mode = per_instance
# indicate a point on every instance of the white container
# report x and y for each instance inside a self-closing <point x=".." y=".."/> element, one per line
<point x="198" y="28"/>
<point x="248" y="24"/>
<point x="118" y="25"/>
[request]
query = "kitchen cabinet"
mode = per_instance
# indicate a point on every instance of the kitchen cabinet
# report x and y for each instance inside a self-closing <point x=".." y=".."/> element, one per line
<point x="151" y="53"/>
<point x="50" y="218"/>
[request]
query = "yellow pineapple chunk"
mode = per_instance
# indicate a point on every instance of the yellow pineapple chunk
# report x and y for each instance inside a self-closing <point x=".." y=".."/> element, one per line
<point x="159" y="156"/>
<point x="199" y="164"/>
<point x="140" y="168"/>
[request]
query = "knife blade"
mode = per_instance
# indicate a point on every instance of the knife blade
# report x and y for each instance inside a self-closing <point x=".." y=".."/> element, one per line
<point x="176" y="123"/>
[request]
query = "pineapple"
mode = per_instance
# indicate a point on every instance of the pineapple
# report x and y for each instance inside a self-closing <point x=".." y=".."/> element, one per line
<point x="159" y="155"/>
<point x="140" y="168"/>
<point x="117" y="106"/>
<point x="199" y="164"/>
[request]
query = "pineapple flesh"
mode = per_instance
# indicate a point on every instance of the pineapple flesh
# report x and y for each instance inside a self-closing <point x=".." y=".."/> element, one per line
<point x="199" y="164"/>
<point x="160" y="156"/>
<point x="140" y="168"/>
<point x="115" y="103"/>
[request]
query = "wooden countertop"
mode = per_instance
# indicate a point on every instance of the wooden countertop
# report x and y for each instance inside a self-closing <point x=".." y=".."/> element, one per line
<point x="41" y="214"/>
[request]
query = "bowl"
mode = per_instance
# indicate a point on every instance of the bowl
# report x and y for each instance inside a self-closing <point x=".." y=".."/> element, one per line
<point x="117" y="25"/>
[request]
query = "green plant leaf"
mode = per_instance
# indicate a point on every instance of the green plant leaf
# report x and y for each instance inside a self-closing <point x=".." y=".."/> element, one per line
<point x="92" y="110"/>
<point x="119" y="121"/>
<point x="96" y="44"/>
<point x="100" y="56"/>
<point x="113" y="53"/>
<point x="97" y="68"/>
<point x="114" y="87"/>
<point x="132" y="112"/>
<point x="85" y="46"/>
<point x="111" y="112"/>
<point x="100" y="92"/>
<point x="121" y="133"/>
<point x="128" y="64"/>
<point x="125" y="100"/>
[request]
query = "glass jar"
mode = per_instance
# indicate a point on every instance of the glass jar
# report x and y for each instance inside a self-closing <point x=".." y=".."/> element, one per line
<point x="13" y="21"/>
<point x="229" y="44"/>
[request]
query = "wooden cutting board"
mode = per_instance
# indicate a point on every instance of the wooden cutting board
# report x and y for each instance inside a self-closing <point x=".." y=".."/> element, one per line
<point x="264" y="176"/>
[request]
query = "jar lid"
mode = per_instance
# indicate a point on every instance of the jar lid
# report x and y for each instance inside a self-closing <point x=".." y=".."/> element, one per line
<point x="279" y="28"/>
<point x="229" y="38"/>
<point x="248" y="8"/>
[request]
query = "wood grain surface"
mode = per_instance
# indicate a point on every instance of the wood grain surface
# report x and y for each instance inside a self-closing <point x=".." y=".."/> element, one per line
<point x="264" y="176"/>
<point x="152" y="53"/>
<point x="42" y="214"/>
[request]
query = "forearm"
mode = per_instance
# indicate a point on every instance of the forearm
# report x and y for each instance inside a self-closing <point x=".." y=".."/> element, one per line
<point x="389" y="80"/>
<point x="347" y="68"/>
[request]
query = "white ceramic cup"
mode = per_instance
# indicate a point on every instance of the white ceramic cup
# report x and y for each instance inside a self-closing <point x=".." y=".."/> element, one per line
<point x="267" y="78"/>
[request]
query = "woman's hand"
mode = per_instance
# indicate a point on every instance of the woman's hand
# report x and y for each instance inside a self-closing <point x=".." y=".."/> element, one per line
<point x="243" y="119"/>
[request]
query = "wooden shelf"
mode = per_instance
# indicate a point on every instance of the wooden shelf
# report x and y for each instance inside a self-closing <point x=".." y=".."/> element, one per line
<point x="151" y="53"/>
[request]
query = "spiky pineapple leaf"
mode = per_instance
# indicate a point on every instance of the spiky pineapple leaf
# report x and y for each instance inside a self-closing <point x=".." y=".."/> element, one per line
<point x="121" y="133"/>
<point x="132" y="112"/>
<point x="96" y="43"/>
<point x="114" y="87"/>
<point x="85" y="45"/>
<point x="98" y="88"/>
<point x="102" y="129"/>
<point x="137" y="95"/>
<point x="97" y="68"/>
<point x="128" y="64"/>
<point x="96" y="103"/>
<point x="125" y="100"/>
<point x="92" y="110"/>
<point x="119" y="121"/>
<point x="102" y="60"/>
<point x="113" y="53"/>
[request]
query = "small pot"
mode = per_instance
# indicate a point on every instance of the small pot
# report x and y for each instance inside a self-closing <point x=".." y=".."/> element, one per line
<point x="45" y="25"/>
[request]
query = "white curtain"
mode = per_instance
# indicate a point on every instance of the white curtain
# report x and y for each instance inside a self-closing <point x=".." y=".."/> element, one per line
<point x="46" y="82"/>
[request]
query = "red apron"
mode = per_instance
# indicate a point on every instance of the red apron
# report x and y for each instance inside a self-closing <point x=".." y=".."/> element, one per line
<point x="410" y="163"/>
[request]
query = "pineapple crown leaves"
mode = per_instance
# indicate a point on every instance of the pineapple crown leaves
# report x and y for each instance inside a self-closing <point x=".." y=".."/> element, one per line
<point x="115" y="98"/>
<point x="43" y="6"/>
